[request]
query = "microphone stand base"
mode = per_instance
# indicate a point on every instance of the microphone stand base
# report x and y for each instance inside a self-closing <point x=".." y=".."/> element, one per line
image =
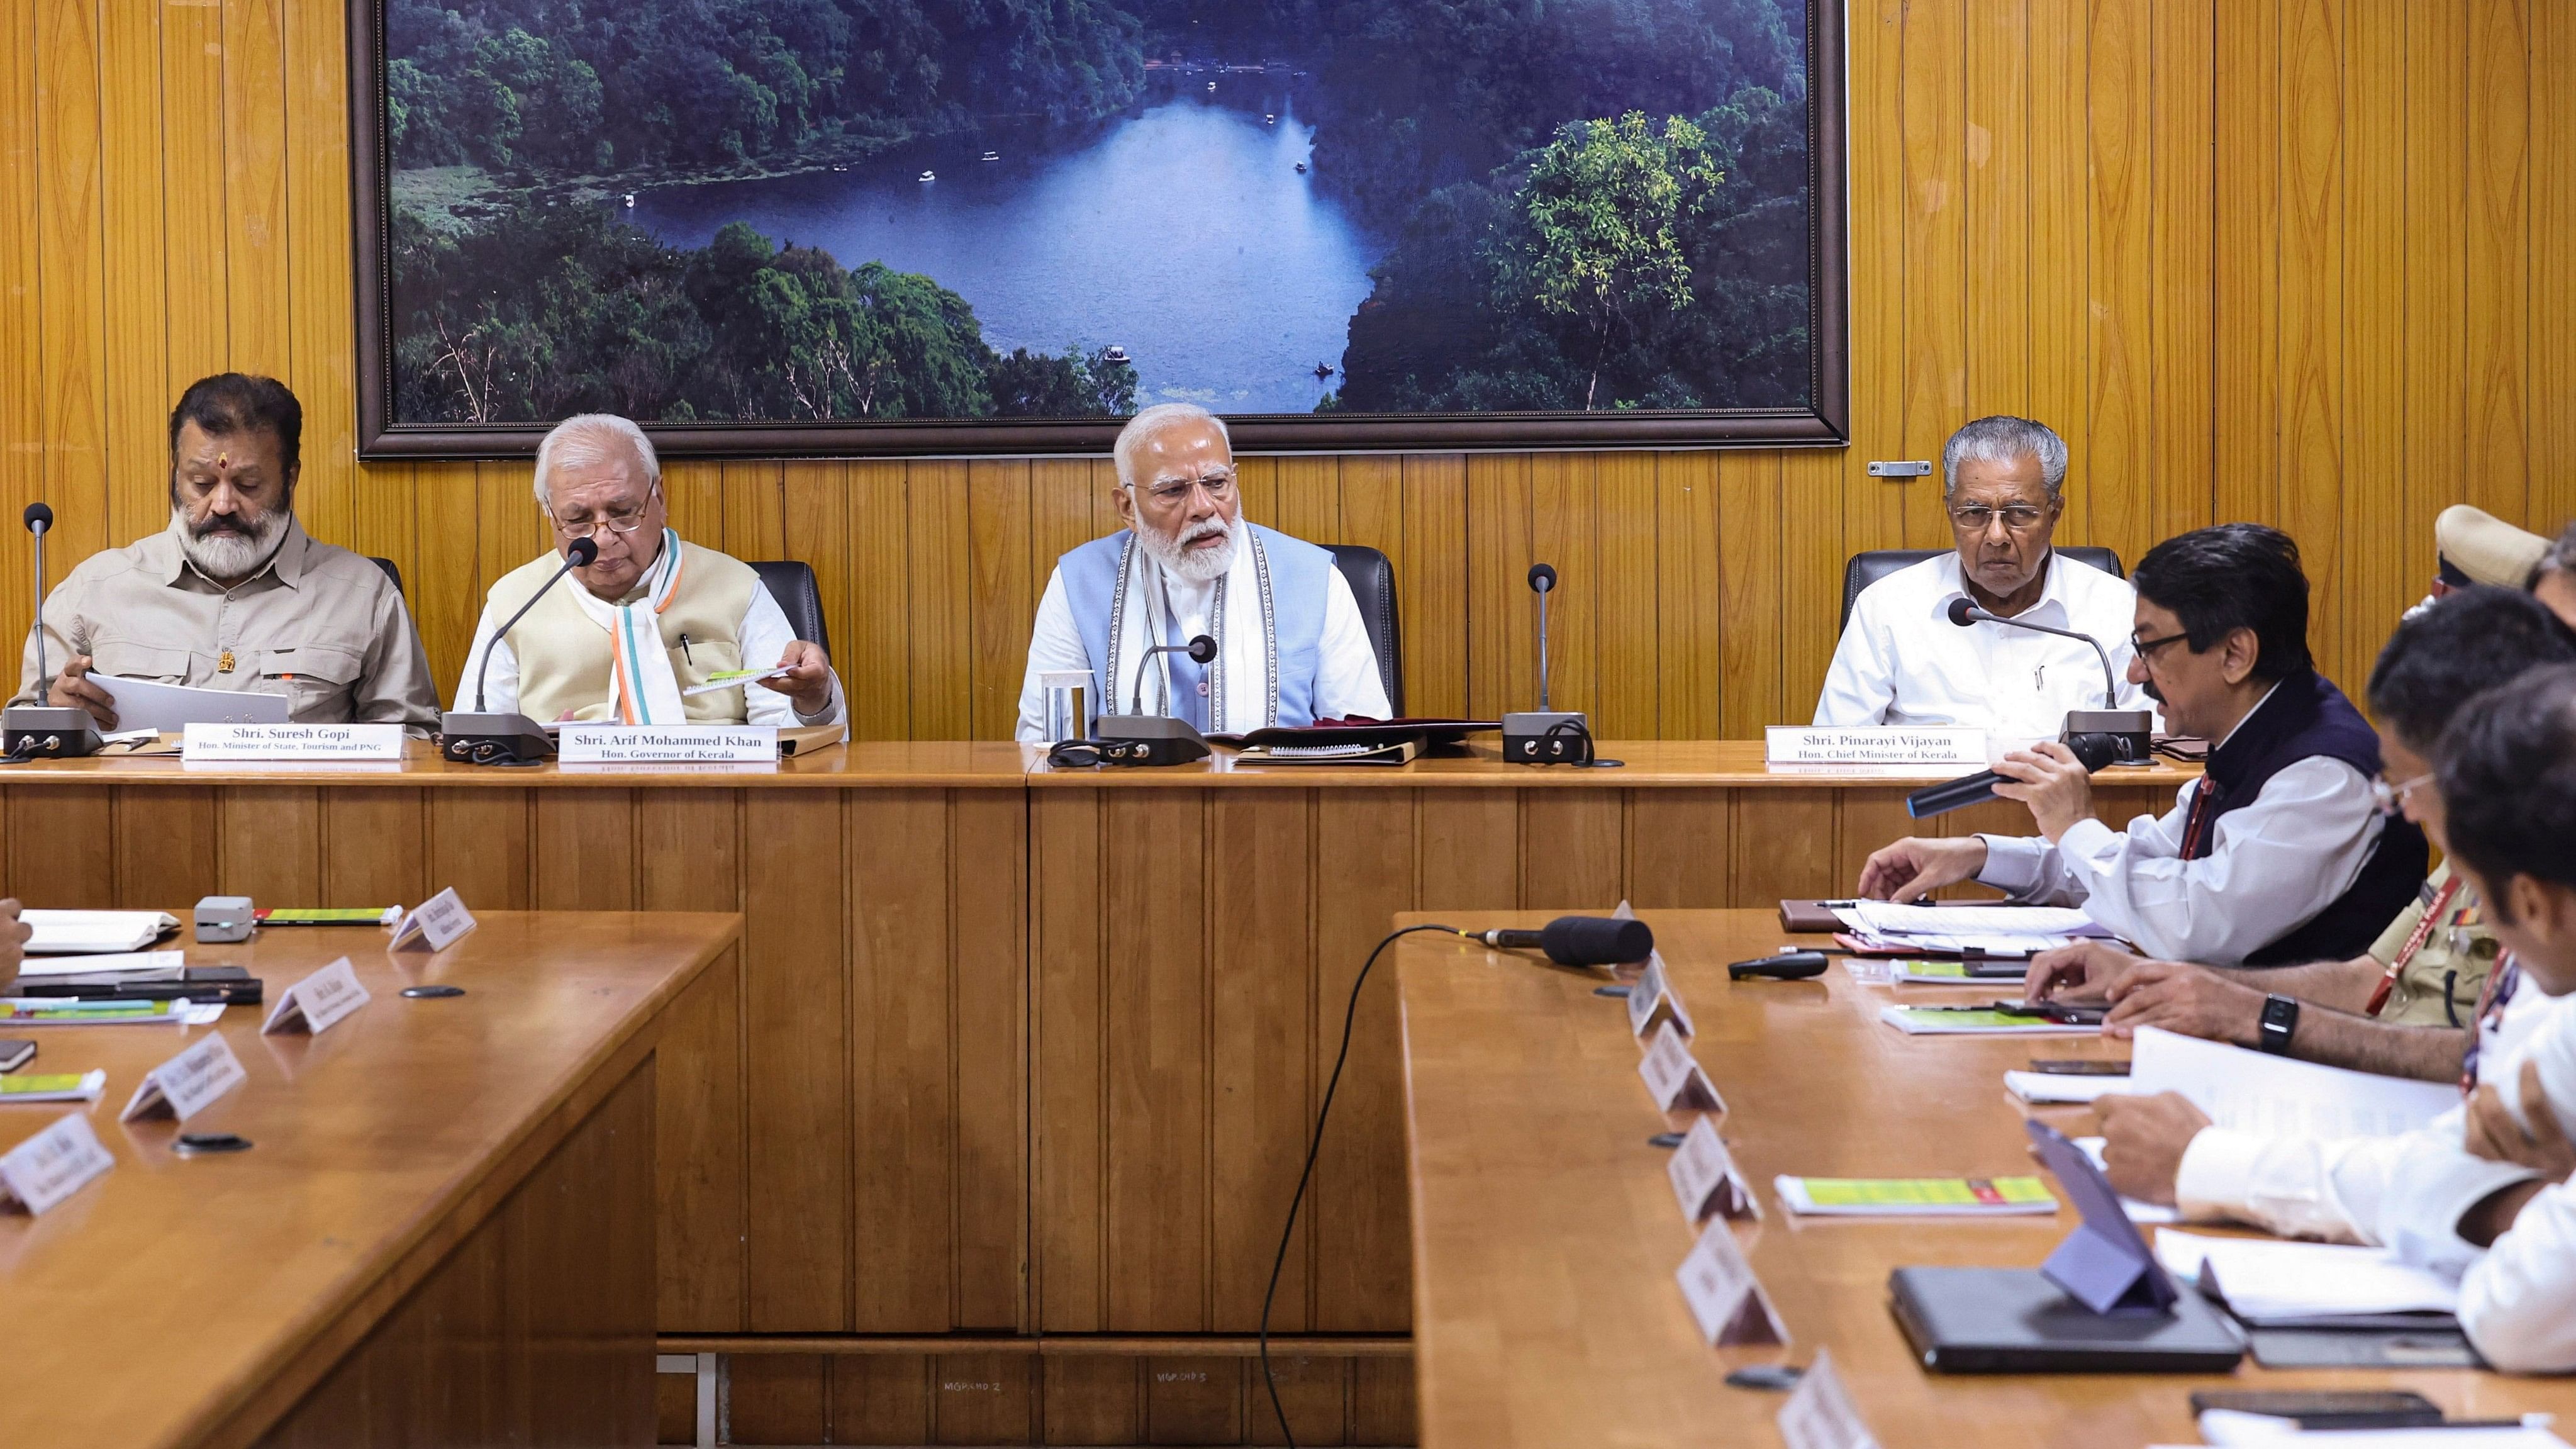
<point x="2132" y="732"/>
<point x="48" y="732"/>
<point x="494" y="738"/>
<point x="1545" y="737"/>
<point x="1149" y="739"/>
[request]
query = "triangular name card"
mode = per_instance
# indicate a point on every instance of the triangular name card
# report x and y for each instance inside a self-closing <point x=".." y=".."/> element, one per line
<point x="436" y="924"/>
<point x="52" y="1165"/>
<point x="1706" y="1180"/>
<point x="1673" y="1075"/>
<point x="1724" y="1295"/>
<point x="1652" y="999"/>
<point x="318" y="1001"/>
<point x="1820" y="1413"/>
<point x="187" y="1083"/>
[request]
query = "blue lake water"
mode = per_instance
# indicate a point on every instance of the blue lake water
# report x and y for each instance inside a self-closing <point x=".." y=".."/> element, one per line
<point x="1184" y="234"/>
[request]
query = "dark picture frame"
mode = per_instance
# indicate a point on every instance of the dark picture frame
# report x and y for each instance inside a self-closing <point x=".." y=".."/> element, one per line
<point x="1824" y="423"/>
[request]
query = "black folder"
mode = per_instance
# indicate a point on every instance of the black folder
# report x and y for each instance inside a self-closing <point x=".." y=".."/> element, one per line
<point x="2013" y="1321"/>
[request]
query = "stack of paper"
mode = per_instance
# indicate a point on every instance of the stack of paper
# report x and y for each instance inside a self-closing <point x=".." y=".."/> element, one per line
<point x="1907" y="1197"/>
<point x="2273" y="1284"/>
<point x="121" y="963"/>
<point x="1942" y="1021"/>
<point x="2221" y="1427"/>
<point x="2255" y="1092"/>
<point x="58" y="933"/>
<point x="1960" y="930"/>
<point x="2054" y="1088"/>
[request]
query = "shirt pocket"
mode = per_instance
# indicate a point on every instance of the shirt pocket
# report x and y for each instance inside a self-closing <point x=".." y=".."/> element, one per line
<point x="156" y="662"/>
<point x="703" y="657"/>
<point x="311" y="675"/>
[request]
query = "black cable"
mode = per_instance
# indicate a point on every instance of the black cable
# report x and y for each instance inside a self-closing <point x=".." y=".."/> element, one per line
<point x="1314" y="1145"/>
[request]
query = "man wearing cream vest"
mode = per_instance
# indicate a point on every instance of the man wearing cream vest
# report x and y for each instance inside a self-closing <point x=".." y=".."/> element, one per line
<point x="654" y="619"/>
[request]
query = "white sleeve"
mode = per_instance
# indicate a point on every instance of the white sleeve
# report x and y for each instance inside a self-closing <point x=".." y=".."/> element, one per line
<point x="1346" y="678"/>
<point x="2273" y="864"/>
<point x="2518" y="1303"/>
<point x="1859" y="684"/>
<point x="1055" y="642"/>
<point x="764" y="635"/>
<point x="501" y="688"/>
<point x="2034" y="872"/>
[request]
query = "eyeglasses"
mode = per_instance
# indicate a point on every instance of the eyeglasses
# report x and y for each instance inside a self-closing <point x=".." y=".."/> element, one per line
<point x="2392" y="798"/>
<point x="1977" y="518"/>
<point x="624" y="520"/>
<point x="2144" y="647"/>
<point x="1173" y="492"/>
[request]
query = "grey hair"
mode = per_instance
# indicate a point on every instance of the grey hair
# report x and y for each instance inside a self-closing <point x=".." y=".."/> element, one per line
<point x="592" y="438"/>
<point x="2006" y="440"/>
<point x="1141" y="428"/>
<point x="2561" y="558"/>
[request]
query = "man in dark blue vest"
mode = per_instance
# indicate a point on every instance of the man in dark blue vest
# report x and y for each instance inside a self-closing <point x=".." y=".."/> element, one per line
<point x="2278" y="854"/>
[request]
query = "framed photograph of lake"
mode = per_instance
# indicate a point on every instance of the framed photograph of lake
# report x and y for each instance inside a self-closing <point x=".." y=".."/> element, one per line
<point x="855" y="228"/>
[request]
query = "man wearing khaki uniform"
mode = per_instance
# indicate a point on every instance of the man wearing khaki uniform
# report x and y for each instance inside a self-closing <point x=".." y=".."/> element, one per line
<point x="234" y="594"/>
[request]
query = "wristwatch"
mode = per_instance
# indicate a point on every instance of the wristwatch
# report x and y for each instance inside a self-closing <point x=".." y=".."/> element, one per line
<point x="2280" y="1018"/>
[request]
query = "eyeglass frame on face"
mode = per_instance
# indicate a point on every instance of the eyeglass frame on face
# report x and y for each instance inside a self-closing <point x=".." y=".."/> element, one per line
<point x="2036" y="518"/>
<point x="588" y="527"/>
<point x="2391" y="799"/>
<point x="1221" y="485"/>
<point x="2145" y="649"/>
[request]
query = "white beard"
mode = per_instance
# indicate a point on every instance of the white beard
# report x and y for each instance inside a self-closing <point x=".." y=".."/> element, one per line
<point x="1191" y="565"/>
<point x="226" y="555"/>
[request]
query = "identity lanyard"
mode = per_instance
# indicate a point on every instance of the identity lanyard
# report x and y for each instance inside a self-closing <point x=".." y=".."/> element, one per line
<point x="2423" y="932"/>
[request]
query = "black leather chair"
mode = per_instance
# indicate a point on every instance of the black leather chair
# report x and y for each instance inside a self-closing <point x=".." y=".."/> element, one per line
<point x="1372" y="581"/>
<point x="392" y="570"/>
<point x="799" y="597"/>
<point x="1868" y="568"/>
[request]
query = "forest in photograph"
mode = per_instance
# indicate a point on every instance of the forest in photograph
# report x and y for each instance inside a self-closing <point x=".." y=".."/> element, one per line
<point x="830" y="210"/>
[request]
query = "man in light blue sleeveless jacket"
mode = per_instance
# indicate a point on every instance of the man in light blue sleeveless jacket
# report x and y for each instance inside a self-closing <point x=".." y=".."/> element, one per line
<point x="1291" y="648"/>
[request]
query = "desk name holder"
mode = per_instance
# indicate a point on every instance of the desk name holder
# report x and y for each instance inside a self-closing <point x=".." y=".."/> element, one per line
<point x="187" y="1083"/>
<point x="1724" y="1295"/>
<point x="52" y="1165"/>
<point x="1706" y="1180"/>
<point x="318" y="1002"/>
<point x="1674" y="1077"/>
<point x="434" y="925"/>
<point x="595" y="744"/>
<point x="1820" y="1413"/>
<point x="1873" y="745"/>
<point x="1652" y="999"/>
<point x="202" y="743"/>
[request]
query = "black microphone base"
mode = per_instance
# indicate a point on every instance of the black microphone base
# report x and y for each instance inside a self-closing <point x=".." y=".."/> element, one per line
<point x="2132" y="732"/>
<point x="494" y="738"/>
<point x="1526" y="740"/>
<point x="1149" y="739"/>
<point x="48" y="732"/>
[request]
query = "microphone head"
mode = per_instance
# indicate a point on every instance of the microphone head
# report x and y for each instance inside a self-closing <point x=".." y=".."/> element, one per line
<point x="583" y="553"/>
<point x="1202" y="649"/>
<point x="1962" y="612"/>
<point x="1542" y="578"/>
<point x="2096" y="751"/>
<point x="39" y="517"/>
<point x="1596" y="941"/>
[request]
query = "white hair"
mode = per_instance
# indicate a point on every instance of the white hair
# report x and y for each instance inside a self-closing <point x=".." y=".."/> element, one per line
<point x="1141" y="429"/>
<point x="593" y="438"/>
<point x="2005" y="440"/>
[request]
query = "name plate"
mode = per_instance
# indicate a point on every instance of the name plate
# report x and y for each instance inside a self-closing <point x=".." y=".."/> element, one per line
<point x="1673" y="1076"/>
<point x="204" y="742"/>
<point x="53" y="1164"/>
<point x="318" y="1001"/>
<point x="187" y="1083"/>
<point x="434" y="925"/>
<point x="667" y="745"/>
<point x="1820" y="1413"/>
<point x="1724" y="1295"/>
<point x="1651" y="999"/>
<point x="1873" y="745"/>
<point x="1706" y="1179"/>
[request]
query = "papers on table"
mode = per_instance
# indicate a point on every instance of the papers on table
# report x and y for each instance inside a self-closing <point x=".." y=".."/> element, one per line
<point x="121" y="963"/>
<point x="90" y="933"/>
<point x="2052" y="1088"/>
<point x="1914" y="1197"/>
<point x="171" y="708"/>
<point x="1936" y="1021"/>
<point x="2274" y="1284"/>
<point x="1962" y="930"/>
<point x="53" y="1086"/>
<point x="2234" y="1430"/>
<point x="20" y="1011"/>
<point x="2255" y="1092"/>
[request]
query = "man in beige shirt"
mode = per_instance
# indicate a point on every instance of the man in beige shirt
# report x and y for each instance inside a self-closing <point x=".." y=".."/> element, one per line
<point x="234" y="594"/>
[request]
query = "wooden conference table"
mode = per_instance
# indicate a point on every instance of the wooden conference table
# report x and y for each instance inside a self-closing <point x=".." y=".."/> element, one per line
<point x="1015" y="1063"/>
<point x="443" y="1232"/>
<point x="1546" y="1234"/>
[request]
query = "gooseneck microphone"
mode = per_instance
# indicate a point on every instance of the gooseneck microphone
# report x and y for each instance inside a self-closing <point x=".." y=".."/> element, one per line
<point x="1201" y="649"/>
<point x="39" y="518"/>
<point x="1964" y="612"/>
<point x="2093" y="751"/>
<point x="49" y="731"/>
<point x="508" y="737"/>
<point x="1580" y="940"/>
<point x="1542" y="582"/>
<point x="1545" y="735"/>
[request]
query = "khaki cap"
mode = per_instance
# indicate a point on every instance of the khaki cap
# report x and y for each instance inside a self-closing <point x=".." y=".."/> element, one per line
<point x="2481" y="548"/>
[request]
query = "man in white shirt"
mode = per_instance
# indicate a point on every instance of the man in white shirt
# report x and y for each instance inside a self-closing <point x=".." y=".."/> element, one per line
<point x="653" y="630"/>
<point x="2277" y="854"/>
<point x="1290" y="645"/>
<point x="1902" y="662"/>
<point x="2506" y="769"/>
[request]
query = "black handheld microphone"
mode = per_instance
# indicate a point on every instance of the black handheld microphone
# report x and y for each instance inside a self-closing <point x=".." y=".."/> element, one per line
<point x="580" y="555"/>
<point x="509" y="737"/>
<point x="1964" y="612"/>
<point x="2093" y="750"/>
<point x="1581" y="940"/>
<point x="1201" y="649"/>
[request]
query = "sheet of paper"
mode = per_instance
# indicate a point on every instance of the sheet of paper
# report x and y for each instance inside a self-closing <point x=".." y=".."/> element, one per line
<point x="143" y="703"/>
<point x="1928" y="1021"/>
<point x="117" y="963"/>
<point x="1914" y="1197"/>
<point x="2255" y="1092"/>
<point x="2047" y="1088"/>
<point x="733" y="679"/>
<point x="91" y="933"/>
<point x="2239" y="1431"/>
<point x="1886" y="918"/>
<point x="2265" y="1278"/>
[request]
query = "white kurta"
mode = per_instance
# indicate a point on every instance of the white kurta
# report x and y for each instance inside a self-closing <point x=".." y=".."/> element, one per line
<point x="1902" y="662"/>
<point x="1347" y="682"/>
<point x="764" y="635"/>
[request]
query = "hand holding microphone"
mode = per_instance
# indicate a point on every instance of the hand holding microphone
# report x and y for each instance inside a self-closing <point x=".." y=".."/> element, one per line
<point x="2053" y="780"/>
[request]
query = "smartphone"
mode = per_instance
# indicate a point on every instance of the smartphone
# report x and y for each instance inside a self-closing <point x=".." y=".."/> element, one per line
<point x="16" y="1052"/>
<point x="2327" y="1408"/>
<point x="2062" y="1068"/>
<point x="2056" y="1011"/>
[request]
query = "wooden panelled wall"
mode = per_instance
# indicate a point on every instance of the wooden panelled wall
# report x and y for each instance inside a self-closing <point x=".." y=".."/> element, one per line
<point x="2301" y="261"/>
